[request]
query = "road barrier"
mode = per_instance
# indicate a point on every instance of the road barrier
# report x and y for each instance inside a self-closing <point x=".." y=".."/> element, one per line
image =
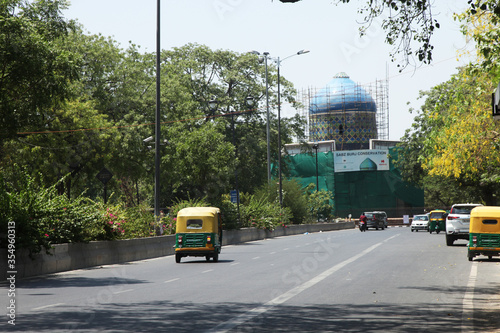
<point x="66" y="257"/>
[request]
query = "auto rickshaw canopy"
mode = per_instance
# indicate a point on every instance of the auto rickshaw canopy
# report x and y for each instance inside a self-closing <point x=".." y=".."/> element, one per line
<point x="198" y="219"/>
<point x="485" y="219"/>
<point x="437" y="214"/>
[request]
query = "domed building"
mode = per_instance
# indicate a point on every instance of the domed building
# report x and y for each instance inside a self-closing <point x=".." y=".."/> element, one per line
<point x="343" y="111"/>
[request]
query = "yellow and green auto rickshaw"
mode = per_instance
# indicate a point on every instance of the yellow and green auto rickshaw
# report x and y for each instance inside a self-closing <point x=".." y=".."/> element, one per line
<point x="484" y="232"/>
<point x="437" y="220"/>
<point x="198" y="233"/>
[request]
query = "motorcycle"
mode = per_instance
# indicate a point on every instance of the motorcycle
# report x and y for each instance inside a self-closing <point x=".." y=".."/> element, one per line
<point x="362" y="226"/>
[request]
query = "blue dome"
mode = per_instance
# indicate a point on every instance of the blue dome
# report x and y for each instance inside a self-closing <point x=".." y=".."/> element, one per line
<point x="343" y="111"/>
<point x="341" y="94"/>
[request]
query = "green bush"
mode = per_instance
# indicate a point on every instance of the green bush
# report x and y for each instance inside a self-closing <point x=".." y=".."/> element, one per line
<point x="319" y="203"/>
<point x="260" y="212"/>
<point x="119" y="222"/>
<point x="229" y="212"/>
<point x="294" y="199"/>
<point x="42" y="216"/>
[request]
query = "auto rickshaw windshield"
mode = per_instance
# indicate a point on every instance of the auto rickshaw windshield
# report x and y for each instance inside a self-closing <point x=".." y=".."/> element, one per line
<point x="437" y="215"/>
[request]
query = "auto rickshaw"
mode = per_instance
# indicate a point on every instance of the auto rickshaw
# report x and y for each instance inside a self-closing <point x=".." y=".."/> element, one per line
<point x="198" y="233"/>
<point x="437" y="220"/>
<point x="484" y="232"/>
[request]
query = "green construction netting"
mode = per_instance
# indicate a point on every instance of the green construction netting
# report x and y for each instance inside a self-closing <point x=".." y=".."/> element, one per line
<point x="359" y="191"/>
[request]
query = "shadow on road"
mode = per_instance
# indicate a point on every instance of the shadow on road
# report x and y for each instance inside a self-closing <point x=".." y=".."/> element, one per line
<point x="168" y="316"/>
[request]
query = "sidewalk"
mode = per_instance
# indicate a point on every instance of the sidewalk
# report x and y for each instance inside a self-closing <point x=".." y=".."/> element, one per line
<point x="487" y="296"/>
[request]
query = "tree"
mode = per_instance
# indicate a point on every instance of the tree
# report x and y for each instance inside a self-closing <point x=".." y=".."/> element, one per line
<point x="194" y="75"/>
<point x="35" y="71"/>
<point x="480" y="23"/>
<point x="454" y="141"/>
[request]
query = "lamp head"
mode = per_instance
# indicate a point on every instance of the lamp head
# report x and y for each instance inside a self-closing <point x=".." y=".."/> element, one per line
<point x="212" y="104"/>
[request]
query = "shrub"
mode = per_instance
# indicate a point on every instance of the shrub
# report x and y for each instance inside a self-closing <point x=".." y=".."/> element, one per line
<point x="294" y="199"/>
<point x="229" y="212"/>
<point x="319" y="203"/>
<point x="42" y="216"/>
<point x="262" y="213"/>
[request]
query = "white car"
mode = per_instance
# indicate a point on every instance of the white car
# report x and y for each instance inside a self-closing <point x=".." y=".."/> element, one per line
<point x="457" y="222"/>
<point x="420" y="222"/>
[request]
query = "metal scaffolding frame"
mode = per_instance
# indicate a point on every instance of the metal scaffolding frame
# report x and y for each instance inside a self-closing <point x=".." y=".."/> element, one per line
<point x="378" y="90"/>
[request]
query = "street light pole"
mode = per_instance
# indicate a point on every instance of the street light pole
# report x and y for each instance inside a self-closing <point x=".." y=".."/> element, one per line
<point x="279" y="125"/>
<point x="316" y="147"/>
<point x="267" y="126"/>
<point x="157" y="116"/>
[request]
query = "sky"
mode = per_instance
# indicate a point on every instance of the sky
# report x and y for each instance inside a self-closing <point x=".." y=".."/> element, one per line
<point x="327" y="30"/>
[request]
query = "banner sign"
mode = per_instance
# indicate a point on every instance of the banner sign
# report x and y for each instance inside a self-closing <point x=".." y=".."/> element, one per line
<point x="361" y="160"/>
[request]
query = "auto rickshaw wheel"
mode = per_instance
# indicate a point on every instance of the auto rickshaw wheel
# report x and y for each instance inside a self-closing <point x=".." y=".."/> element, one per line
<point x="437" y="231"/>
<point x="470" y="258"/>
<point x="216" y="256"/>
<point x="178" y="258"/>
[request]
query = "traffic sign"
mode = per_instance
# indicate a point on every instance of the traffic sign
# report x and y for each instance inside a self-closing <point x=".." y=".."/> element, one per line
<point x="234" y="196"/>
<point x="104" y="176"/>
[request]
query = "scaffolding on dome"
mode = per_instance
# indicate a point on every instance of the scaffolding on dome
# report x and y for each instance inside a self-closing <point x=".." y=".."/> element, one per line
<point x="378" y="90"/>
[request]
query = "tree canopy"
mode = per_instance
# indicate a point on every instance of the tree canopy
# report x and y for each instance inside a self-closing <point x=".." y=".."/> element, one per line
<point x="454" y="141"/>
<point x="73" y="103"/>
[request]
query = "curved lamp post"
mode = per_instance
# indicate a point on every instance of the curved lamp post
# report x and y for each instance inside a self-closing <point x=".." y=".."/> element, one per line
<point x="278" y="62"/>
<point x="279" y="124"/>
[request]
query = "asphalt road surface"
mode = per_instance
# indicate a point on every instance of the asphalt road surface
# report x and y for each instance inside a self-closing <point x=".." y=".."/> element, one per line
<point x="389" y="280"/>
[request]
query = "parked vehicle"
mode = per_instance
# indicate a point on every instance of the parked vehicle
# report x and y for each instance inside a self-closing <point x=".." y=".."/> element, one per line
<point x="457" y="222"/>
<point x="484" y="234"/>
<point x="420" y="222"/>
<point x="437" y="221"/>
<point x="383" y="215"/>
<point x="198" y="233"/>
<point x="376" y="220"/>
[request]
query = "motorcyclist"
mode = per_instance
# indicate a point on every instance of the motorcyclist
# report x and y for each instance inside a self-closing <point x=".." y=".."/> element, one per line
<point x="362" y="222"/>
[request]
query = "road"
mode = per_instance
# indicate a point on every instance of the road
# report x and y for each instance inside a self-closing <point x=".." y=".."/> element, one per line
<point x="389" y="280"/>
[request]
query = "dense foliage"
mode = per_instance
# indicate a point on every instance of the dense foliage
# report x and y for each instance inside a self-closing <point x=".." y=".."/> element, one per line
<point x="73" y="104"/>
<point x="453" y="147"/>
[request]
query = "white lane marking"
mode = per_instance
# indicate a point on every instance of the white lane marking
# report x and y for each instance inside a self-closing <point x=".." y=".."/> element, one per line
<point x="208" y="270"/>
<point x="172" y="280"/>
<point x="47" y="306"/>
<point x="235" y="263"/>
<point x="468" y="302"/>
<point x="123" y="291"/>
<point x="254" y="258"/>
<point x="274" y="252"/>
<point x="244" y="317"/>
